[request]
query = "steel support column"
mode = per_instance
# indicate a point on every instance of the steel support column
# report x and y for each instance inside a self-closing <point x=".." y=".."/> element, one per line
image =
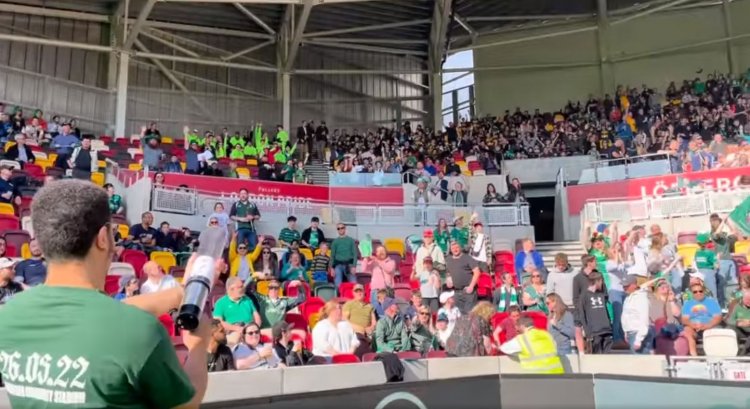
<point x="606" y="76"/>
<point x="436" y="89"/>
<point x="140" y="22"/>
<point x="286" y="100"/>
<point x="727" y="14"/>
<point x="121" y="102"/>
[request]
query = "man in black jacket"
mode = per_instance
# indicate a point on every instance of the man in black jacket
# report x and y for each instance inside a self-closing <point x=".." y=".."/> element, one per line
<point x="591" y="314"/>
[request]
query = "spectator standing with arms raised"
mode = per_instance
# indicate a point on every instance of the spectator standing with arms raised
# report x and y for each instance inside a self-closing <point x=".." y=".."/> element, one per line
<point x="245" y="213"/>
<point x="123" y="354"/>
<point x="343" y="256"/>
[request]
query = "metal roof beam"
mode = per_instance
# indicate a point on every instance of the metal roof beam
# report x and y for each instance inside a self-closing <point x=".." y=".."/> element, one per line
<point x="55" y="43"/>
<point x="202" y="61"/>
<point x="300" y="2"/>
<point x="526" y="39"/>
<point x="648" y="11"/>
<point x="354" y="40"/>
<point x="368" y="48"/>
<point x="254" y="18"/>
<point x="530" y="17"/>
<point x="465" y="25"/>
<point x="47" y="12"/>
<point x="197" y="44"/>
<point x="248" y="50"/>
<point x="299" y="30"/>
<point x="367" y="28"/>
<point x="136" y="28"/>
<point x="171" y="45"/>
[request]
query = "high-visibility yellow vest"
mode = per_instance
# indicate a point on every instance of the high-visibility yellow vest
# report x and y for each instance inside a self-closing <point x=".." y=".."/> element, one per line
<point x="539" y="352"/>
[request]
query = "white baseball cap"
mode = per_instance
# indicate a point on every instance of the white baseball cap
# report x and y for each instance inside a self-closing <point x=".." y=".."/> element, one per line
<point x="6" y="262"/>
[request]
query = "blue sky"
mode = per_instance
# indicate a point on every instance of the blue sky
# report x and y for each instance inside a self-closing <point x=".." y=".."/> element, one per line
<point x="463" y="59"/>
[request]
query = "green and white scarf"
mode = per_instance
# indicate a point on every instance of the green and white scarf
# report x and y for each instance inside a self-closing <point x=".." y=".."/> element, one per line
<point x="502" y="306"/>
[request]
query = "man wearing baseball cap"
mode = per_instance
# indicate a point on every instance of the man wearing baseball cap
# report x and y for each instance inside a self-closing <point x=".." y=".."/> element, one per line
<point x="429" y="273"/>
<point x="361" y="316"/>
<point x="8" y="287"/>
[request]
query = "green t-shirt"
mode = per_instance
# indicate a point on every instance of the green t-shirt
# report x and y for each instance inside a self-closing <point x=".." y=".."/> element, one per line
<point x="705" y="259"/>
<point x="300" y="176"/>
<point x="289" y="175"/>
<point x="240" y="209"/>
<point x="442" y="239"/>
<point x="461" y="236"/>
<point x="234" y="312"/>
<point x="115" y="202"/>
<point x="288" y="235"/>
<point x="64" y="347"/>
<point x="314" y="240"/>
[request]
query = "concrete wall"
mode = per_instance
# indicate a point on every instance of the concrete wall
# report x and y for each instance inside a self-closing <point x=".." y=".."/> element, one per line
<point x="549" y="89"/>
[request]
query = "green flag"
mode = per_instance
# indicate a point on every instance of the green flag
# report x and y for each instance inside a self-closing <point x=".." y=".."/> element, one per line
<point x="739" y="217"/>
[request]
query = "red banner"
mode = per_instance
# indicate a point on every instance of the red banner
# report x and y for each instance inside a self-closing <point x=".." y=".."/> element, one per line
<point x="718" y="179"/>
<point x="317" y="193"/>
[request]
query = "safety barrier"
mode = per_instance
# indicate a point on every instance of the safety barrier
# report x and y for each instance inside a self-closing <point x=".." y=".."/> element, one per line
<point x="627" y="168"/>
<point x="694" y="204"/>
<point x="191" y="202"/>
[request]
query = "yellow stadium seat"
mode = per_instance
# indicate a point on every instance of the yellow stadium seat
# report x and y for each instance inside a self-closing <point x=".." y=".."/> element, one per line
<point x="135" y="166"/>
<point x="313" y="319"/>
<point x="8" y="145"/>
<point x="102" y="164"/>
<point x="687" y="251"/>
<point x="164" y="259"/>
<point x="25" y="251"/>
<point x="123" y="229"/>
<point x="395" y="245"/>
<point x="52" y="157"/>
<point x="7" y="208"/>
<point x="183" y="165"/>
<point x="166" y="139"/>
<point x="466" y="172"/>
<point x="252" y="162"/>
<point x="307" y="253"/>
<point x="98" y="178"/>
<point x="44" y="163"/>
<point x="261" y="287"/>
<point x="243" y="173"/>
<point x="742" y="247"/>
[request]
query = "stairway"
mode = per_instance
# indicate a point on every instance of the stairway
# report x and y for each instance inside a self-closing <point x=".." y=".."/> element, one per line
<point x="548" y="249"/>
<point x="317" y="171"/>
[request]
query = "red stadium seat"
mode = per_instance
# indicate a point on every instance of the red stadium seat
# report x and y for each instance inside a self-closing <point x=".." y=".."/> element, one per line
<point x="298" y="321"/>
<point x="112" y="284"/>
<point x="168" y="323"/>
<point x="11" y="251"/>
<point x="414" y="284"/>
<point x="136" y="259"/>
<point x="409" y="355"/>
<point x="8" y="222"/>
<point x="540" y="319"/>
<point x="402" y="290"/>
<point x="16" y="238"/>
<point x="484" y="286"/>
<point x="293" y="291"/>
<point x="437" y="354"/>
<point x="34" y="171"/>
<point x="346" y="290"/>
<point x="311" y="306"/>
<point x="345" y="359"/>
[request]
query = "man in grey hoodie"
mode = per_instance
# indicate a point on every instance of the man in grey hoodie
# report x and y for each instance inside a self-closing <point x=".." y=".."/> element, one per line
<point x="560" y="279"/>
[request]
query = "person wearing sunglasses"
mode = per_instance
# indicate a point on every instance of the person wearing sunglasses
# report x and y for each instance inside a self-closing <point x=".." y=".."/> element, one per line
<point x="251" y="353"/>
<point x="422" y="332"/>
<point x="698" y="315"/>
<point x="343" y="256"/>
<point x="242" y="261"/>
<point x="273" y="306"/>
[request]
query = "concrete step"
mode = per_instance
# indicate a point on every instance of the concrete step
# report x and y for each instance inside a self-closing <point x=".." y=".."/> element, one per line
<point x="549" y="250"/>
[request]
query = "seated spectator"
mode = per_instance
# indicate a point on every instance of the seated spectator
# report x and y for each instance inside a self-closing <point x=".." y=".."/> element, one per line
<point x="115" y="201"/>
<point x="528" y="260"/>
<point x="128" y="288"/>
<point x="740" y="322"/>
<point x="536" y="349"/>
<point x="312" y="237"/>
<point x="471" y="335"/>
<point x="235" y="310"/>
<point x="143" y="234"/>
<point x="508" y="295"/>
<point x="390" y="332"/>
<point x="449" y="309"/>
<point x="8" y="192"/>
<point x="696" y="278"/>
<point x="415" y="302"/>
<point x="361" y="316"/>
<point x="293" y="269"/>
<point x="699" y="314"/>
<point x="289" y="233"/>
<point x="333" y="335"/>
<point x="636" y="321"/>
<point x="560" y="279"/>
<point x="421" y="332"/>
<point x="593" y="317"/>
<point x="220" y="356"/>
<point x="266" y="266"/>
<point x="441" y="329"/>
<point x="533" y="294"/>
<point x="250" y="353"/>
<point x="273" y="308"/>
<point x="665" y="310"/>
<point x="33" y="271"/>
<point x="165" y="239"/>
<point x="20" y="152"/>
<point x="8" y="287"/>
<point x="507" y="326"/>
<point x="560" y="324"/>
<point x="290" y="353"/>
<point x="377" y="303"/>
<point x="156" y="279"/>
<point x="320" y="265"/>
<point x="492" y="198"/>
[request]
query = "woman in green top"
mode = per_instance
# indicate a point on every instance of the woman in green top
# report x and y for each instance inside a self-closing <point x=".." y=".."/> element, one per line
<point x="300" y="176"/>
<point x="115" y="201"/>
<point x="442" y="235"/>
<point x="287" y="172"/>
<point x="533" y="294"/>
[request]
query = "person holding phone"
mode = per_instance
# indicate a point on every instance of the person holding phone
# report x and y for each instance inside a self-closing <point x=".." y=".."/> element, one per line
<point x="85" y="348"/>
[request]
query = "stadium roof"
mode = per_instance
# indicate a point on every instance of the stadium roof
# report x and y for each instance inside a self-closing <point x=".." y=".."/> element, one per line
<point x="388" y="26"/>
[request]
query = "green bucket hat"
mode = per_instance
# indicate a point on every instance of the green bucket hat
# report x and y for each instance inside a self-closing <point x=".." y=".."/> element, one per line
<point x="703" y="238"/>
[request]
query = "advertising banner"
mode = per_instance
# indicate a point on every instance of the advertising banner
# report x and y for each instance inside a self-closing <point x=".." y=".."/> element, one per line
<point x="657" y="186"/>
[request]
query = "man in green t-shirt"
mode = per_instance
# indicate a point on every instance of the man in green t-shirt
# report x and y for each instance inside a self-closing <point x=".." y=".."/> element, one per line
<point x="289" y="233"/>
<point x="246" y="214"/>
<point x="460" y="233"/>
<point x="66" y="344"/>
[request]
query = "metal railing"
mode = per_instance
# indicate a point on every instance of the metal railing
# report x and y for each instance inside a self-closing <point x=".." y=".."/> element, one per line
<point x="192" y="202"/>
<point x="654" y="164"/>
<point x="697" y="204"/>
<point x="363" y="179"/>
